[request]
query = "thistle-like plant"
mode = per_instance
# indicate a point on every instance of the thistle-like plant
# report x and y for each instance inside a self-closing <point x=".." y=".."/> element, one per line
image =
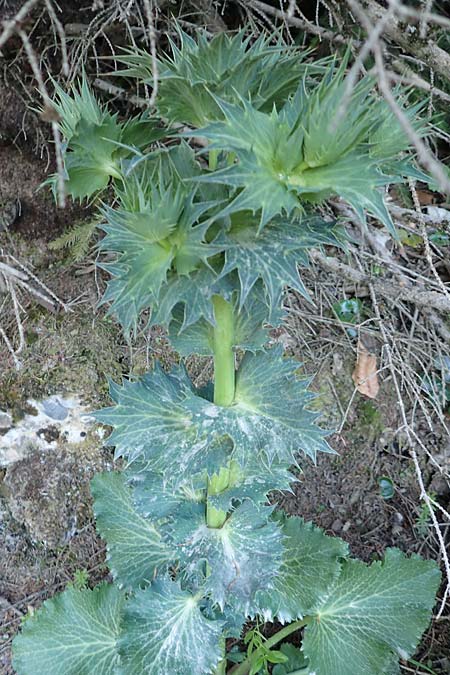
<point x="196" y="546"/>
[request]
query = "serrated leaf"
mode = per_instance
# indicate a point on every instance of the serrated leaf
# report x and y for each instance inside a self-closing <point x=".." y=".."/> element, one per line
<point x="95" y="141"/>
<point x="155" y="498"/>
<point x="270" y="409"/>
<point x="136" y="281"/>
<point x="155" y="420"/>
<point x="311" y="562"/>
<point x="269" y="417"/>
<point x="164" y="631"/>
<point x="274" y="255"/>
<point x="370" y="615"/>
<point x="250" y="321"/>
<point x="73" y="633"/>
<point x="253" y="480"/>
<point x="293" y="155"/>
<point x="355" y="178"/>
<point x="136" y="552"/>
<point x="228" y="65"/>
<point x="162" y="233"/>
<point x="243" y="555"/>
<point x="194" y="293"/>
<point x="257" y="189"/>
<point x="141" y="131"/>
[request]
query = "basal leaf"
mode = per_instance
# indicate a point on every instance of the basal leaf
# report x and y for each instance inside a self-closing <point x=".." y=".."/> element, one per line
<point x="243" y="555"/>
<point x="311" y="563"/>
<point x="73" y="633"/>
<point x="156" y="498"/>
<point x="370" y="615"/>
<point x="136" y="552"/>
<point x="164" y="631"/>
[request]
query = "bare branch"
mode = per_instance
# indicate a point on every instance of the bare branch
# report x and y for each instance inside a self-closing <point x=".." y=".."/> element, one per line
<point x="11" y="26"/>
<point x="152" y="39"/>
<point x="426" y="50"/>
<point x="299" y="23"/>
<point x="414" y="293"/>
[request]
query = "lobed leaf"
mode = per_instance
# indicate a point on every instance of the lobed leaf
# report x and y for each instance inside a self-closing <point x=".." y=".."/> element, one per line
<point x="226" y="65"/>
<point x="243" y="556"/>
<point x="250" y="326"/>
<point x="73" y="633"/>
<point x="274" y="255"/>
<point x="95" y="141"/>
<point x="269" y="418"/>
<point x="296" y="154"/>
<point x="136" y="552"/>
<point x="311" y="563"/>
<point x="164" y="631"/>
<point x="371" y="615"/>
<point x="163" y="233"/>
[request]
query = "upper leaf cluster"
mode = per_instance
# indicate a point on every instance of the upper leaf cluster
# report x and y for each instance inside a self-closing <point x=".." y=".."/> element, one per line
<point x="227" y="66"/>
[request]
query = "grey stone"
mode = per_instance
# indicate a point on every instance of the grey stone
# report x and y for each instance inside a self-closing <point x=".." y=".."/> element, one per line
<point x="337" y="525"/>
<point x="53" y="408"/>
<point x="5" y="420"/>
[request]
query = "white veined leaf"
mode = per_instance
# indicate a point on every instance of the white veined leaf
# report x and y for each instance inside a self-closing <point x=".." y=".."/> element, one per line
<point x="371" y="615"/>
<point x="243" y="555"/>
<point x="311" y="562"/>
<point x="74" y="633"/>
<point x="136" y="551"/>
<point x="165" y="632"/>
<point x="163" y="413"/>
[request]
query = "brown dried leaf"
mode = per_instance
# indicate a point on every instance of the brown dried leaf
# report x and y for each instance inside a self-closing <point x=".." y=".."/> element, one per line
<point x="365" y="375"/>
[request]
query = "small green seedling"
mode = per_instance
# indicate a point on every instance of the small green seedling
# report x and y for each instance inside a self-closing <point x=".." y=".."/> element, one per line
<point x="204" y="244"/>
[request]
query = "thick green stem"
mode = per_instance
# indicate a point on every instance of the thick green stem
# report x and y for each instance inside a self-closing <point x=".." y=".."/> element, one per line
<point x="224" y="362"/>
<point x="224" y="383"/>
<point x="244" y="667"/>
<point x="213" y="159"/>
<point x="222" y="667"/>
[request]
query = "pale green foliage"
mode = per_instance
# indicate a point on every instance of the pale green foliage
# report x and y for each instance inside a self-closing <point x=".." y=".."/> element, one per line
<point x="370" y="615"/>
<point x="298" y="153"/>
<point x="227" y="66"/>
<point x="96" y="143"/>
<point x="75" y="633"/>
<point x="194" y="547"/>
<point x="77" y="240"/>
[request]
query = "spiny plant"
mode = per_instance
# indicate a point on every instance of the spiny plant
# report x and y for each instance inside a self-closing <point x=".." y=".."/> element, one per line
<point x="204" y="245"/>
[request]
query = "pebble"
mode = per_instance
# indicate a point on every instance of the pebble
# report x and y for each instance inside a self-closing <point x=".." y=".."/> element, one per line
<point x="54" y="409"/>
<point x="440" y="486"/>
<point x="5" y="420"/>
<point x="398" y="518"/>
<point x="337" y="525"/>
